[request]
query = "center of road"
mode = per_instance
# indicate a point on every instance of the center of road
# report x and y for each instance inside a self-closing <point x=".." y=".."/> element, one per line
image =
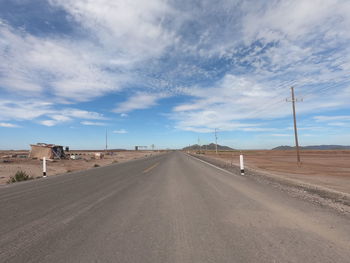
<point x="150" y="168"/>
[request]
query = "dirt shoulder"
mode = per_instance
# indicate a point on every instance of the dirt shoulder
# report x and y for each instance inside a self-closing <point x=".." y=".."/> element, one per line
<point x="85" y="160"/>
<point x="324" y="188"/>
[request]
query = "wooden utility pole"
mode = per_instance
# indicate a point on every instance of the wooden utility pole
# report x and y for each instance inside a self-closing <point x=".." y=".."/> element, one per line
<point x="295" y="125"/>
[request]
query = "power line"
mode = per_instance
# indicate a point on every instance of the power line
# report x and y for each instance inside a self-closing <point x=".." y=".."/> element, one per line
<point x="310" y="93"/>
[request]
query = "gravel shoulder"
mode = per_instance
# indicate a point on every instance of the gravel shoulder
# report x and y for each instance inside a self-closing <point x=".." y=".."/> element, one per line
<point x="338" y="200"/>
<point x="33" y="167"/>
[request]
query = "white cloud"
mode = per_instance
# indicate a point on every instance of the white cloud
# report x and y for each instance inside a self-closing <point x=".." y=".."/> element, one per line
<point x="225" y="105"/>
<point x="138" y="101"/>
<point x="37" y="110"/>
<point x="235" y="100"/>
<point x="123" y="115"/>
<point x="24" y="110"/>
<point x="258" y="49"/>
<point x="48" y="123"/>
<point x="281" y="135"/>
<point x="83" y="114"/>
<point x="8" y="125"/>
<point x="62" y="68"/>
<point x="339" y="124"/>
<point x="293" y="19"/>
<point x="332" y="118"/>
<point x="93" y="123"/>
<point x="131" y="29"/>
<point x="121" y="131"/>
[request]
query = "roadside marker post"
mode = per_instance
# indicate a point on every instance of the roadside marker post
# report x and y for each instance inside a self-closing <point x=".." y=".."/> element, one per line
<point x="44" y="166"/>
<point x="241" y="164"/>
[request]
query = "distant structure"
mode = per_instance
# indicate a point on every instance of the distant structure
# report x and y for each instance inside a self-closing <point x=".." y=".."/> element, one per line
<point x="140" y="147"/>
<point x="49" y="151"/>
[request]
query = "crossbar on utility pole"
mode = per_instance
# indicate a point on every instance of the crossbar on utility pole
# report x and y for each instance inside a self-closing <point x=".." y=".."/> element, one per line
<point x="295" y="125"/>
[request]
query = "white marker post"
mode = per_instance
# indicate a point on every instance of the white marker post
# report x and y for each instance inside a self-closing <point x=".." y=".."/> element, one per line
<point x="44" y="166"/>
<point x="241" y="163"/>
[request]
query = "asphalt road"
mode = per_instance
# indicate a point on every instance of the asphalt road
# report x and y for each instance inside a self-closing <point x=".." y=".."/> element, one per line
<point x="166" y="208"/>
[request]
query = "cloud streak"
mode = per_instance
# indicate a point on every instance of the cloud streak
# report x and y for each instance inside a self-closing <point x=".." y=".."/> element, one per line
<point x="8" y="125"/>
<point x="138" y="101"/>
<point x="44" y="113"/>
<point x="121" y="131"/>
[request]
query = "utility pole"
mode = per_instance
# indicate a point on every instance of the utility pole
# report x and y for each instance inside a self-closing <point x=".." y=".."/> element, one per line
<point x="216" y="141"/>
<point x="295" y="124"/>
<point x="106" y="142"/>
<point x="199" y="146"/>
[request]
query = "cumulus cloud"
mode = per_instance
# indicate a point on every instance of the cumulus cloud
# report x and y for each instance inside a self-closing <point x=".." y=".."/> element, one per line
<point x="60" y="67"/>
<point x="133" y="30"/>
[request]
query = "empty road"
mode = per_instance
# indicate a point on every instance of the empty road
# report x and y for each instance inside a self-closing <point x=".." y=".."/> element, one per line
<point x="166" y="208"/>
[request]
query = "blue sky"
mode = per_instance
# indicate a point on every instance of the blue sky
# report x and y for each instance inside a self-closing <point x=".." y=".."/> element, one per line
<point x="170" y="72"/>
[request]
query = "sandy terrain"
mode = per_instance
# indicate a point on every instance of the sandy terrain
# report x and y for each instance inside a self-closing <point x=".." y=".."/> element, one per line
<point x="329" y="169"/>
<point x="9" y="166"/>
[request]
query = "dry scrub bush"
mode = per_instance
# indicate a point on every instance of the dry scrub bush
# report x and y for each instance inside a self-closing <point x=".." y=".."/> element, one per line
<point x="19" y="176"/>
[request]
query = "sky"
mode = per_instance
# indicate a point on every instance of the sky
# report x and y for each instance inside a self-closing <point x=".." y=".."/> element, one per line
<point x="170" y="72"/>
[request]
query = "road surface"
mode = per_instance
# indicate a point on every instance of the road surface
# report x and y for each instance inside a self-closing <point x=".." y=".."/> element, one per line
<point x="166" y="208"/>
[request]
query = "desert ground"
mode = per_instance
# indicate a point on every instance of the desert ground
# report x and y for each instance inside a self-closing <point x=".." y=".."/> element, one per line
<point x="327" y="168"/>
<point x="13" y="161"/>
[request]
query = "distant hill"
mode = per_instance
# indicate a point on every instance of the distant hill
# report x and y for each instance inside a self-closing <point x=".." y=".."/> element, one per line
<point x="314" y="147"/>
<point x="210" y="146"/>
<point x="283" y="147"/>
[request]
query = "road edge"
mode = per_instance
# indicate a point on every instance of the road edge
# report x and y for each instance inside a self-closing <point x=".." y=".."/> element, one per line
<point x="317" y="194"/>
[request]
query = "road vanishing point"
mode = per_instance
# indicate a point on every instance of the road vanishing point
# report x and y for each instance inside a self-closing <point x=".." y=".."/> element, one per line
<point x="165" y="208"/>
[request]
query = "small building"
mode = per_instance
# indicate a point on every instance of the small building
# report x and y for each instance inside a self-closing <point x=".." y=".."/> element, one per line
<point x="50" y="151"/>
